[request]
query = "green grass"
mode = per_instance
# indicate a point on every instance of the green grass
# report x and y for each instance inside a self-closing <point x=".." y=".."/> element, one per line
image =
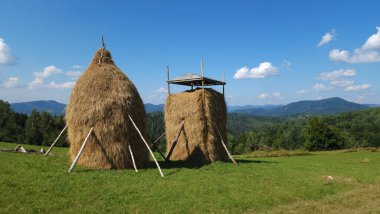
<point x="33" y="183"/>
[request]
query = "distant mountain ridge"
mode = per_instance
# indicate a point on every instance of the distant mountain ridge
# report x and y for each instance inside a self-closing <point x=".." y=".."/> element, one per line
<point x="328" y="106"/>
<point x="312" y="107"/>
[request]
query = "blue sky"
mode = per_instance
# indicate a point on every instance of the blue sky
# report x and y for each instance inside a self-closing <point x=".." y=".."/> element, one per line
<point x="271" y="52"/>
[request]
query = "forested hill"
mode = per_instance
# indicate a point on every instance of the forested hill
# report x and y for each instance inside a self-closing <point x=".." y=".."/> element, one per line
<point x="308" y="107"/>
<point x="50" y="106"/>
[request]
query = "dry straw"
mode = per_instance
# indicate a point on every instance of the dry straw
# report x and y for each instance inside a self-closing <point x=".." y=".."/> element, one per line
<point x="102" y="98"/>
<point x="199" y="140"/>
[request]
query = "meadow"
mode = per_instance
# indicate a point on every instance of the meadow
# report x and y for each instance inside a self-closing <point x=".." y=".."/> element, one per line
<point x="276" y="182"/>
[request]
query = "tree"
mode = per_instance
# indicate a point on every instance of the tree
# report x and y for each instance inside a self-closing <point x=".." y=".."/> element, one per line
<point x="33" y="134"/>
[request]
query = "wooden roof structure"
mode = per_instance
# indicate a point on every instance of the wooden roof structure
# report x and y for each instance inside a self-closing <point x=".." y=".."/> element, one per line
<point x="195" y="80"/>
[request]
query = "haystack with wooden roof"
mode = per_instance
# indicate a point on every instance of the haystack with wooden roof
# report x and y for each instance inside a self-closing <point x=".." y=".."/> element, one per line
<point x="195" y="121"/>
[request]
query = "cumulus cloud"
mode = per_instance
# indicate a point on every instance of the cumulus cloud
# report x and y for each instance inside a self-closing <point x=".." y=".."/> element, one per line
<point x="65" y="85"/>
<point x="161" y="90"/>
<point x="275" y="95"/>
<point x="328" y="37"/>
<point x="11" y="82"/>
<point x="358" y="87"/>
<point x="318" y="87"/>
<point x="6" y="57"/>
<point x="333" y="75"/>
<point x="39" y="76"/>
<point x="77" y="66"/>
<point x="73" y="73"/>
<point x="369" y="52"/>
<point x="341" y="83"/>
<point x="264" y="70"/>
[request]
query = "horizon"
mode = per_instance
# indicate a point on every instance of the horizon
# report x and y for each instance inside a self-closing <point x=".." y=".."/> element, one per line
<point x="270" y="54"/>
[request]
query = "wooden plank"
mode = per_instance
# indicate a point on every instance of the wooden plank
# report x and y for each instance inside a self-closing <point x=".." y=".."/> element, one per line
<point x="133" y="159"/>
<point x="167" y="75"/>
<point x="225" y="147"/>
<point x="147" y="146"/>
<point x="52" y="145"/>
<point x="174" y="143"/>
<point x="80" y="151"/>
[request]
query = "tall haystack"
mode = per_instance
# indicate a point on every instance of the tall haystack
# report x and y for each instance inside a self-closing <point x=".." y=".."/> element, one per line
<point x="102" y="98"/>
<point x="203" y="115"/>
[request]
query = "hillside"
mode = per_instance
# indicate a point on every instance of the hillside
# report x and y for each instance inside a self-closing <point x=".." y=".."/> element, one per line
<point x="51" y="106"/>
<point x="308" y="107"/>
<point x="56" y="108"/>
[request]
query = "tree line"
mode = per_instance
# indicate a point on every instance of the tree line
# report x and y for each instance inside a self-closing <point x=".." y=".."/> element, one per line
<point x="245" y="133"/>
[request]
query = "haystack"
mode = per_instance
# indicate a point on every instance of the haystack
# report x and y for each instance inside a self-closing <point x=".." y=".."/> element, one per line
<point x="102" y="98"/>
<point x="199" y="140"/>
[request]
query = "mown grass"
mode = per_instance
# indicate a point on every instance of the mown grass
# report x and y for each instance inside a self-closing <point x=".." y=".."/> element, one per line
<point x="33" y="183"/>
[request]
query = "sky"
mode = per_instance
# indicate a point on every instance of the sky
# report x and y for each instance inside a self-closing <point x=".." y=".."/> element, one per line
<point x="270" y="52"/>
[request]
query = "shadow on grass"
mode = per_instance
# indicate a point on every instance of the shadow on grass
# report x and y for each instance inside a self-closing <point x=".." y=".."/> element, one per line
<point x="243" y="161"/>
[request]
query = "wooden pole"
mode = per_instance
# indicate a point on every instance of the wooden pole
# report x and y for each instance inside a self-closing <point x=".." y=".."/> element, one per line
<point x="223" y="82"/>
<point x="154" y="145"/>
<point x="52" y="145"/>
<point x="225" y="147"/>
<point x="133" y="159"/>
<point x="158" y="139"/>
<point x="147" y="146"/>
<point x="203" y="82"/>
<point x="167" y="75"/>
<point x="174" y="143"/>
<point x="80" y="151"/>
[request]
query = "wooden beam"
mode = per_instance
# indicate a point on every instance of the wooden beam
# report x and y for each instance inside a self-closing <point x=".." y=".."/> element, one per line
<point x="52" y="145"/>
<point x="147" y="146"/>
<point x="80" y="151"/>
<point x="174" y="143"/>
<point x="167" y="75"/>
<point x="133" y="159"/>
<point x="225" y="147"/>
<point x="154" y="146"/>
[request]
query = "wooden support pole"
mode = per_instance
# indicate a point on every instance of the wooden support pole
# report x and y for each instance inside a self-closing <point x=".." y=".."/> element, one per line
<point x="225" y="147"/>
<point x="154" y="146"/>
<point x="80" y="151"/>
<point x="53" y="144"/>
<point x="203" y="82"/>
<point x="167" y="75"/>
<point x="133" y="159"/>
<point x="174" y="143"/>
<point x="223" y="82"/>
<point x="147" y="146"/>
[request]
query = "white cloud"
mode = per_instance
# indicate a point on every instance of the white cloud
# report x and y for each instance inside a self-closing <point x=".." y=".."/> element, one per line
<point x="373" y="42"/>
<point x="263" y="96"/>
<point x="304" y="91"/>
<point x="11" y="82"/>
<point x="358" y="87"/>
<point x="328" y="37"/>
<point x="339" y="55"/>
<point x="264" y="70"/>
<point x="319" y="87"/>
<point x="342" y="83"/>
<point x="6" y="57"/>
<point x="333" y="75"/>
<point x="77" y="66"/>
<point x="39" y="76"/>
<point x="73" y="73"/>
<point x="161" y="90"/>
<point x="66" y="85"/>
<point x="369" y="52"/>
<point x="274" y="95"/>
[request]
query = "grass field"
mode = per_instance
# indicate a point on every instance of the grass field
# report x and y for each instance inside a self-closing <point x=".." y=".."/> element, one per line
<point x="299" y="184"/>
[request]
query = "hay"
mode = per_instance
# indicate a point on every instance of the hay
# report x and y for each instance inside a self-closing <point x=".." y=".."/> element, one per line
<point x="102" y="98"/>
<point x="199" y="140"/>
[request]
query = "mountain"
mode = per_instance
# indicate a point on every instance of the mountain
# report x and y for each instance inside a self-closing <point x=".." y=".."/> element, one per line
<point x="307" y="107"/>
<point x="372" y="105"/>
<point x="153" y="108"/>
<point x="57" y="108"/>
<point x="50" y="106"/>
<point x="250" y="107"/>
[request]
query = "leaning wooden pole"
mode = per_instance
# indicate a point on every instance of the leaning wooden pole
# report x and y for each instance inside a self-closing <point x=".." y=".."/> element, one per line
<point x="225" y="147"/>
<point x="80" y="151"/>
<point x="147" y="146"/>
<point x="174" y="143"/>
<point x="133" y="159"/>
<point x="53" y="144"/>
